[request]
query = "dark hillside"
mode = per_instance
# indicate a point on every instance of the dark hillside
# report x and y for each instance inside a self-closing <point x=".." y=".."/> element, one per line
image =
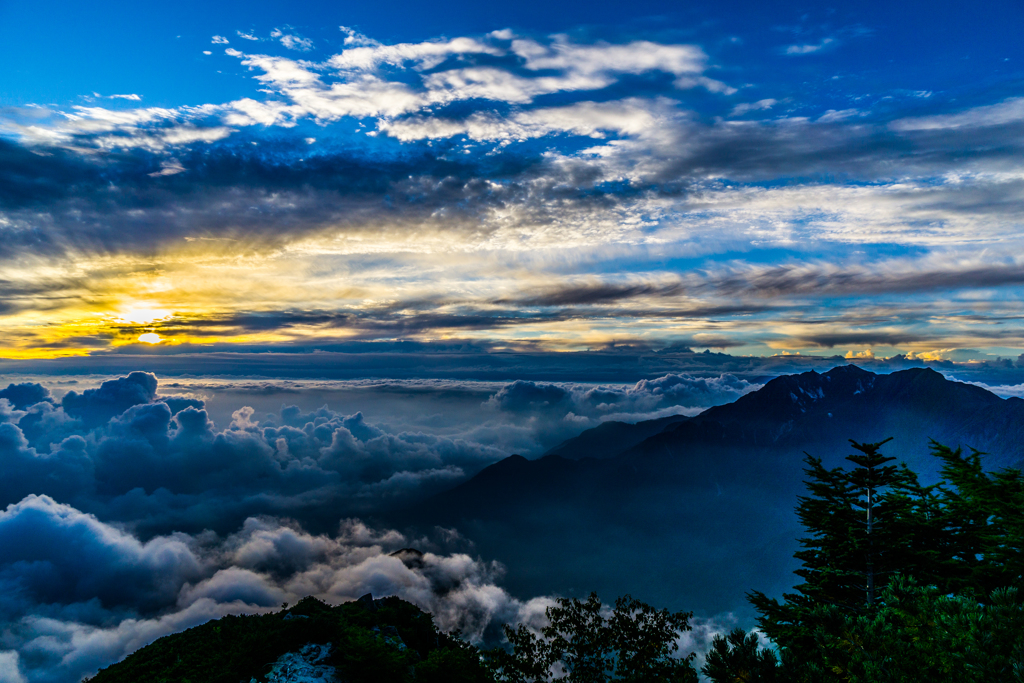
<point x="386" y="640"/>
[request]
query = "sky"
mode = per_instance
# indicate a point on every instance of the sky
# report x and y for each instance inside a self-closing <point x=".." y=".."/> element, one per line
<point x="754" y="178"/>
<point x="268" y="269"/>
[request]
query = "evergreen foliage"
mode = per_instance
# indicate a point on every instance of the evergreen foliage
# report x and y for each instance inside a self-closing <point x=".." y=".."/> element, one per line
<point x="901" y="582"/>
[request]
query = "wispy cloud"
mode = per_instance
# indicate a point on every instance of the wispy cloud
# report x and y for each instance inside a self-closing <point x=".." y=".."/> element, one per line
<point x="292" y="42"/>
<point x="811" y="48"/>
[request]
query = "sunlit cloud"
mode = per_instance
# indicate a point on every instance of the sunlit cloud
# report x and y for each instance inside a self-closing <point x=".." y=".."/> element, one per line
<point x="514" y="189"/>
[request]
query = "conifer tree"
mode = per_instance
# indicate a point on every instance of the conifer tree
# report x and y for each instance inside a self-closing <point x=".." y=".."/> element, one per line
<point x="983" y="516"/>
<point x="864" y="524"/>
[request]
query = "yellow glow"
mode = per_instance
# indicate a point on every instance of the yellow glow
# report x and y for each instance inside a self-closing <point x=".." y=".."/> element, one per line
<point x="141" y="315"/>
<point x="150" y="338"/>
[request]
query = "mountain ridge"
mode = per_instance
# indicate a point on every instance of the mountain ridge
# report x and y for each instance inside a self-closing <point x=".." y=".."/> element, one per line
<point x="710" y="496"/>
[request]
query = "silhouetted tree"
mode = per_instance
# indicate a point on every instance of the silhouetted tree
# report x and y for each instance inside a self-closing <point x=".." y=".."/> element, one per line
<point x="739" y="658"/>
<point x="636" y="643"/>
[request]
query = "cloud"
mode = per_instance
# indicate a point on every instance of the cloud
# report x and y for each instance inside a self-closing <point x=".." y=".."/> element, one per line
<point x="10" y="668"/>
<point x="134" y="98"/>
<point x="459" y="146"/>
<point x="594" y="64"/>
<point x="591" y="119"/>
<point x="572" y="407"/>
<point x="292" y="42"/>
<point x="122" y="449"/>
<point x="96" y="406"/>
<point x="27" y="394"/>
<point x="81" y="594"/>
<point x="169" y="167"/>
<point x="1007" y="112"/>
<point x="746" y="107"/>
<point x="809" y="48"/>
<point x="219" y="40"/>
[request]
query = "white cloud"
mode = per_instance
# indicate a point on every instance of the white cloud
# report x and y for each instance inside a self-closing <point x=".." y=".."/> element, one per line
<point x="249" y="112"/>
<point x="1006" y="112"/>
<point x="254" y="570"/>
<point x="247" y="36"/>
<point x="1003" y="390"/>
<point x="595" y="64"/>
<point x="132" y="97"/>
<point x="355" y="38"/>
<point x="809" y="49"/>
<point x="10" y="668"/>
<point x="292" y="42"/>
<point x="362" y="91"/>
<point x="366" y="56"/>
<point x="161" y="139"/>
<point x="169" y="167"/>
<point x="741" y="109"/>
<point x="219" y="40"/>
<point x="297" y="43"/>
<point x="591" y="119"/>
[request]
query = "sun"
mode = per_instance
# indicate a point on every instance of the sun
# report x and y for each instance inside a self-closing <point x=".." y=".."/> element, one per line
<point x="150" y="338"/>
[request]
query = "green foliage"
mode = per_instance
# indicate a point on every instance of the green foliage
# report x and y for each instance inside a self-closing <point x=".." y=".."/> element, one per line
<point x="983" y="516"/>
<point x="454" y="661"/>
<point x="580" y="644"/>
<point x="918" y="634"/>
<point x="737" y="658"/>
<point x="391" y="642"/>
<point x="948" y="556"/>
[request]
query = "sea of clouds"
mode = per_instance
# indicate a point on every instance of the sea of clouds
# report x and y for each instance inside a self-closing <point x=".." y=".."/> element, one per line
<point x="130" y="513"/>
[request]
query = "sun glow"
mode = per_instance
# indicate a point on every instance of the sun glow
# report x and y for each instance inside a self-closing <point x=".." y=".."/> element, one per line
<point x="150" y="338"/>
<point x="142" y="315"/>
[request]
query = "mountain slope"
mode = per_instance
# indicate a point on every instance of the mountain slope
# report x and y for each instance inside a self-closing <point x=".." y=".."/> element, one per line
<point x="701" y="511"/>
<point x="385" y="640"/>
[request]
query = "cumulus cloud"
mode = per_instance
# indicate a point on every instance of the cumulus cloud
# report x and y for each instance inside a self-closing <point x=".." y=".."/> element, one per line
<point x="124" y="451"/>
<point x="80" y="594"/>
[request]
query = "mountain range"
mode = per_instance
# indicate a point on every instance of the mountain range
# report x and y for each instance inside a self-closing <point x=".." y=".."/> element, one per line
<point x="691" y="513"/>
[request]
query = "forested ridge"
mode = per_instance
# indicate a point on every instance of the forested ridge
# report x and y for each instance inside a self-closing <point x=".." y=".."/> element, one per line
<point x="900" y="582"/>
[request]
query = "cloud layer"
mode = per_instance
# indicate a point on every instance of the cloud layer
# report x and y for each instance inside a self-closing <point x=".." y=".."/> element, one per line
<point x="515" y="189"/>
<point x="129" y="514"/>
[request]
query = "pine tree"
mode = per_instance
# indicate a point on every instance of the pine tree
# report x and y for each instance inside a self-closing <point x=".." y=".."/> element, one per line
<point x="864" y="525"/>
<point x="983" y="515"/>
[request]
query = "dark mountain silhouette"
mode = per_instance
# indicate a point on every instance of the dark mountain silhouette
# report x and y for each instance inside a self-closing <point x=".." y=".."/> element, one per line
<point x="611" y="438"/>
<point x="693" y="513"/>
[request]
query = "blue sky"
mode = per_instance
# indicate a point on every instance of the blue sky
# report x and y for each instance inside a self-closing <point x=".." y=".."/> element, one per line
<point x="758" y="178"/>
